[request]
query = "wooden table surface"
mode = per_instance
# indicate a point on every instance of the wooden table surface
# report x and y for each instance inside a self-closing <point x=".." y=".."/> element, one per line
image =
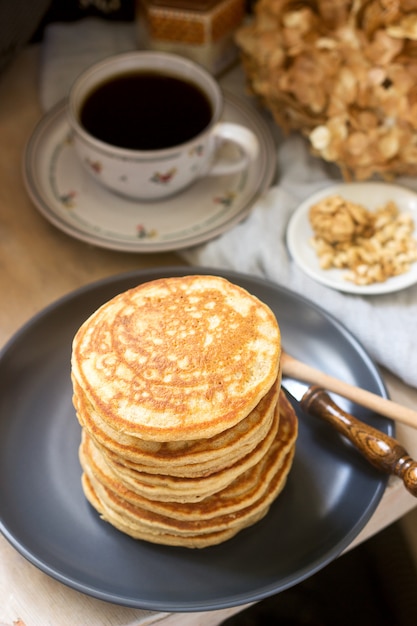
<point x="39" y="264"/>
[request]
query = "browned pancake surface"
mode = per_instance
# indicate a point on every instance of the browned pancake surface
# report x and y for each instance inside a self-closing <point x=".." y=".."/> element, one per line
<point x="177" y="358"/>
<point x="210" y="521"/>
<point x="181" y="458"/>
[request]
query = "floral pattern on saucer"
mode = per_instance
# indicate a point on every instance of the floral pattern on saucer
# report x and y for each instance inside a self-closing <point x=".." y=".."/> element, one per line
<point x="68" y="199"/>
<point x="227" y="199"/>
<point x="144" y="233"/>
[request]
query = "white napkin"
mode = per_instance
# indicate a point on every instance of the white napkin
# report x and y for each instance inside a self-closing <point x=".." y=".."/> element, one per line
<point x="385" y="324"/>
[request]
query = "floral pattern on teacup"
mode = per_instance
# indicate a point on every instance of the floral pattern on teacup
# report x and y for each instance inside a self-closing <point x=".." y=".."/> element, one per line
<point x="163" y="178"/>
<point x="95" y="166"/>
<point x="196" y="150"/>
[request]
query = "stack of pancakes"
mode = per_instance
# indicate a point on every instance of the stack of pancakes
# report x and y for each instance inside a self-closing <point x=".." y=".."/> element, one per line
<point x="186" y="435"/>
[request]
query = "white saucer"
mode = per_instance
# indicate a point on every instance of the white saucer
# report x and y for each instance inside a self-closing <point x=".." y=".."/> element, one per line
<point x="371" y="195"/>
<point x="71" y="200"/>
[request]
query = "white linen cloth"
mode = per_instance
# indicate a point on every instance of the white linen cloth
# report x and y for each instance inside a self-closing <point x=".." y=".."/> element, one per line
<point x="385" y="324"/>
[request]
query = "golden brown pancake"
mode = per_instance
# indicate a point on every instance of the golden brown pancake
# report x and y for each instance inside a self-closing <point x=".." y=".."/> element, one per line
<point x="177" y="358"/>
<point x="187" y="437"/>
<point x="199" y="541"/>
<point x="133" y="491"/>
<point x="194" y="458"/>
<point x="171" y="488"/>
<point x="244" y="501"/>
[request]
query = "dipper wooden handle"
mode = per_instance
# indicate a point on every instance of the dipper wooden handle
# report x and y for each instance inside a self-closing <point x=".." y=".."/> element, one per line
<point x="384" y="452"/>
<point x="297" y="369"/>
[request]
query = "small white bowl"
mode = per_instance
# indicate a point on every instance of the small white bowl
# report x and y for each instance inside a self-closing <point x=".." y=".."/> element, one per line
<point x="371" y="195"/>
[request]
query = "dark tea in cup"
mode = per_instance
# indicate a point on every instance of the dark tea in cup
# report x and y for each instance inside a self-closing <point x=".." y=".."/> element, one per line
<point x="146" y="111"/>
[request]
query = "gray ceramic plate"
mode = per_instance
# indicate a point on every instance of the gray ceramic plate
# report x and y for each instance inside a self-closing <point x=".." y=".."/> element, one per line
<point x="330" y="495"/>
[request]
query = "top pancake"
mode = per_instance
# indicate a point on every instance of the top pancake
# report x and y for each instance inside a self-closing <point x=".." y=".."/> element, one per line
<point x="177" y="358"/>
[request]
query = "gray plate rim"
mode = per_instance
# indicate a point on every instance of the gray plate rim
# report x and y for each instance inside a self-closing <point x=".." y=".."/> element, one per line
<point x="330" y="495"/>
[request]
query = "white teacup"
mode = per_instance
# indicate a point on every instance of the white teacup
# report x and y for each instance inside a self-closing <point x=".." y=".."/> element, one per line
<point x="130" y="163"/>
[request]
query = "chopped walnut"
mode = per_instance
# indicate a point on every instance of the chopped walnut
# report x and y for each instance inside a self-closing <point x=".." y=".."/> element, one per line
<point x="372" y="245"/>
<point x="336" y="220"/>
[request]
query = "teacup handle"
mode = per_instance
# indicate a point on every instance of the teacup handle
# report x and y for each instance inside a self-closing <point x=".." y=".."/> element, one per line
<point x="245" y="139"/>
